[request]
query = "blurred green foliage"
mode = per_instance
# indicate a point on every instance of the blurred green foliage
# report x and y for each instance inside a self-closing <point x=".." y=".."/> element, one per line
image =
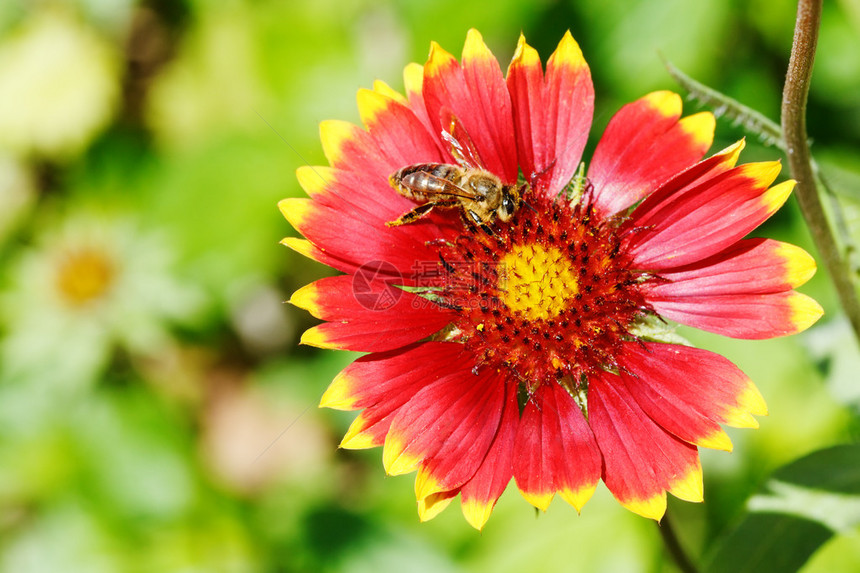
<point x="156" y="413"/>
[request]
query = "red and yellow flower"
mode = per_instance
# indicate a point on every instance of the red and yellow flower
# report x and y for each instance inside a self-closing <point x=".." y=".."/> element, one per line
<point x="523" y="352"/>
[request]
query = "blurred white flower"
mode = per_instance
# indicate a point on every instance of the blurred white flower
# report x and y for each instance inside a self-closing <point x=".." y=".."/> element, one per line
<point x="59" y="83"/>
<point x="77" y="541"/>
<point x="89" y="285"/>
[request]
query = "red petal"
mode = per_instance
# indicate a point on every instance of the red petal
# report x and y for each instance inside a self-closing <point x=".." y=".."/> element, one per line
<point x="748" y="316"/>
<point x="672" y="413"/>
<point x="354" y="199"/>
<point x="698" y="222"/>
<point x="383" y="376"/>
<point x="479" y="494"/>
<point x="398" y="134"/>
<point x="687" y="180"/>
<point x="413" y="79"/>
<point x="697" y="379"/>
<point x="643" y="146"/>
<point x="352" y="239"/>
<point x="456" y="415"/>
<point x="347" y="146"/>
<point x="464" y="450"/>
<point x="552" y="114"/>
<point x="371" y="315"/>
<point x="555" y="450"/>
<point x="641" y="460"/>
<point x="336" y="188"/>
<point x="384" y="382"/>
<point x="477" y="95"/>
<point x="752" y="266"/>
<point x="311" y="251"/>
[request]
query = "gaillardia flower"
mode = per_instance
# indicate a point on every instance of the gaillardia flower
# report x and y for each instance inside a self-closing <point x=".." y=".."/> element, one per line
<point x="522" y="347"/>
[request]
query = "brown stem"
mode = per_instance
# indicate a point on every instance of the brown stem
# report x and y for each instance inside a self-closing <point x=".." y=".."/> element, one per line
<point x="794" y="97"/>
<point x="673" y="546"/>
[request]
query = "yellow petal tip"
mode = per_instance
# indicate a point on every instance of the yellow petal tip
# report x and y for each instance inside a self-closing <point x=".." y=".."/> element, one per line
<point x="413" y="78"/>
<point x="295" y="210"/>
<point x="805" y="311"/>
<point x="749" y="403"/>
<point x="357" y="441"/>
<point x="356" y="438"/>
<point x="371" y="105"/>
<point x="431" y="506"/>
<point x="689" y="487"/>
<point x="395" y="459"/>
<point x="733" y="152"/>
<point x="700" y="127"/>
<point x="578" y="498"/>
<point x="305" y="297"/>
<point x="718" y="440"/>
<point x="568" y="53"/>
<point x="334" y="134"/>
<point x="667" y="103"/>
<point x="653" y="507"/>
<point x="798" y="264"/>
<point x="387" y="91"/>
<point x="476" y="513"/>
<point x="338" y="396"/>
<point x="315" y="337"/>
<point x="299" y="245"/>
<point x="437" y="60"/>
<point x="778" y="194"/>
<point x="426" y="484"/>
<point x="314" y="179"/>
<point x="539" y="500"/>
<point x="763" y="173"/>
<point x="524" y="55"/>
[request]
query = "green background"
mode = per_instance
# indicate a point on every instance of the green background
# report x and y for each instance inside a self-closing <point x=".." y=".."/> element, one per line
<point x="175" y="428"/>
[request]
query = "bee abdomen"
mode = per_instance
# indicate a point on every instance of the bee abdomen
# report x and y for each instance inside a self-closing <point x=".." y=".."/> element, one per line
<point x="417" y="181"/>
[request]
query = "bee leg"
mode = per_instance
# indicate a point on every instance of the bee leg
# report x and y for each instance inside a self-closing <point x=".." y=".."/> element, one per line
<point x="412" y="215"/>
<point x="470" y="224"/>
<point x="473" y="222"/>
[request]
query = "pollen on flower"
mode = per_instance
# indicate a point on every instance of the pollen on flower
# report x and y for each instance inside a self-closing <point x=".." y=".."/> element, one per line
<point x="84" y="275"/>
<point x="549" y="297"/>
<point x="537" y="281"/>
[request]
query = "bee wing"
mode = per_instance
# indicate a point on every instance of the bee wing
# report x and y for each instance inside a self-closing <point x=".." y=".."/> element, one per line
<point x="433" y="186"/>
<point x="462" y="147"/>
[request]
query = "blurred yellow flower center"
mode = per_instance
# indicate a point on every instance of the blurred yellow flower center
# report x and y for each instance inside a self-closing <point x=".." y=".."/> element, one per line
<point x="536" y="281"/>
<point x="84" y="275"/>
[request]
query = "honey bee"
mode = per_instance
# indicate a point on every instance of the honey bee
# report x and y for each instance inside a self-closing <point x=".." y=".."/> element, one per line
<point x="479" y="194"/>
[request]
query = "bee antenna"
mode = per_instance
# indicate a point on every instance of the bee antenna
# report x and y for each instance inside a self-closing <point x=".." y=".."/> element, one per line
<point x="538" y="174"/>
<point x="527" y="204"/>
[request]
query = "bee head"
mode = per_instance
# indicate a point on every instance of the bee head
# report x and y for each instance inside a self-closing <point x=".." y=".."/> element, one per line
<point x="510" y="203"/>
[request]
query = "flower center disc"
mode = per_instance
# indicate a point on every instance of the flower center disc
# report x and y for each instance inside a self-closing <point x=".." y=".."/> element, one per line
<point x="536" y="281"/>
<point x="84" y="275"/>
<point x="549" y="295"/>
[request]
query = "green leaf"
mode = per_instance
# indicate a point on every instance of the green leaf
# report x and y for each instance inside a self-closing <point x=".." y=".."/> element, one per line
<point x="768" y="542"/>
<point x="796" y="511"/>
<point x="835" y="470"/>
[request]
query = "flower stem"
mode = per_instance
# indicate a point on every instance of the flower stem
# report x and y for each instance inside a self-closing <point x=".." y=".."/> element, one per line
<point x="794" y="97"/>
<point x="673" y="546"/>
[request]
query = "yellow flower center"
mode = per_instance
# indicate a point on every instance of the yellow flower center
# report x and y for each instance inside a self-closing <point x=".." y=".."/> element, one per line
<point x="84" y="275"/>
<point x="536" y="282"/>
